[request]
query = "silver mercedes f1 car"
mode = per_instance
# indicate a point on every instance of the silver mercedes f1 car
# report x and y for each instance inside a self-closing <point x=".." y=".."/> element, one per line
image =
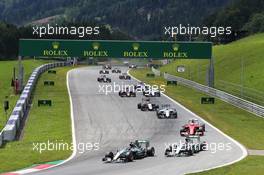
<point x="151" y="92"/>
<point x="136" y="150"/>
<point x="191" y="146"/>
<point x="147" y="105"/>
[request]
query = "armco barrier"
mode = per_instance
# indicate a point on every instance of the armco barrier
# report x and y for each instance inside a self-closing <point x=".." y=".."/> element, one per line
<point x="13" y="124"/>
<point x="9" y="131"/>
<point x="155" y="71"/>
<point x="231" y="99"/>
<point x="1" y="139"/>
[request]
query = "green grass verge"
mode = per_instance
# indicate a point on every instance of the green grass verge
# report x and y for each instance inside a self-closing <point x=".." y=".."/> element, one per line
<point x="44" y="124"/>
<point x="249" y="165"/>
<point x="228" y="67"/>
<point x="6" y="74"/>
<point x="243" y="126"/>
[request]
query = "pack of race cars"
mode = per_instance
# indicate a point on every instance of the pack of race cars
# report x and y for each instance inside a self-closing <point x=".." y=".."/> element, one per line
<point x="192" y="130"/>
<point x="163" y="112"/>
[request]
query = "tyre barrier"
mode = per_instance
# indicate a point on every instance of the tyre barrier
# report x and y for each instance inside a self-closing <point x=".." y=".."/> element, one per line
<point x="13" y="124"/>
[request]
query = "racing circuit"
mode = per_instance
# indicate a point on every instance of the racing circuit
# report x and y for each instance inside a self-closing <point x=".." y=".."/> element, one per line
<point x="114" y="122"/>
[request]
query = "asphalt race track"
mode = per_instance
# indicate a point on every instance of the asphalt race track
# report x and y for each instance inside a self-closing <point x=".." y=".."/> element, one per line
<point x="114" y="122"/>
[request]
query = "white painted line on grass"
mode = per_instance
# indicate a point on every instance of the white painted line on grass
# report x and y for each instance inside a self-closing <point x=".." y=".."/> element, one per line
<point x="73" y="134"/>
<point x="72" y="125"/>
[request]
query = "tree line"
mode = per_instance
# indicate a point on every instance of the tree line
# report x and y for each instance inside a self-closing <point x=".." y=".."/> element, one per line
<point x="140" y="19"/>
<point x="246" y="17"/>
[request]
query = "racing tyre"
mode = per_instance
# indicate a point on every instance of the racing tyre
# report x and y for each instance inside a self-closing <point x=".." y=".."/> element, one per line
<point x="182" y="131"/>
<point x="130" y="157"/>
<point x="158" y="114"/>
<point x="109" y="155"/>
<point x="121" y="94"/>
<point x="144" y="108"/>
<point x="167" y="150"/>
<point x="203" y="127"/>
<point x="139" y="106"/>
<point x="151" y="152"/>
<point x="190" y="152"/>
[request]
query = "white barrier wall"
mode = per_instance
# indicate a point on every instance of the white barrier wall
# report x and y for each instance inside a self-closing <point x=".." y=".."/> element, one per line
<point x="13" y="124"/>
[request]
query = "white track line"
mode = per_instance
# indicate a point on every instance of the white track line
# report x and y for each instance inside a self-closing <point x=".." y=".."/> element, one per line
<point x="244" y="150"/>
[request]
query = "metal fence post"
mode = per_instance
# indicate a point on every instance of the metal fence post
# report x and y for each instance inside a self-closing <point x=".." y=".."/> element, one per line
<point x="20" y="74"/>
<point x="211" y="73"/>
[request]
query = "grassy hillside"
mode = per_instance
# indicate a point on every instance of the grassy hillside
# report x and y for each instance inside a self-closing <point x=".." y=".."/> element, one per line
<point x="238" y="68"/>
<point x="6" y="74"/>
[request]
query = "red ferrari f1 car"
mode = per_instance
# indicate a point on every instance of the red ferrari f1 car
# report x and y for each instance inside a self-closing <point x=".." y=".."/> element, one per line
<point x="193" y="127"/>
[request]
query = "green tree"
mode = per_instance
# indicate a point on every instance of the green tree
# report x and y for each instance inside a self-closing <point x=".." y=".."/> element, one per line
<point x="256" y="23"/>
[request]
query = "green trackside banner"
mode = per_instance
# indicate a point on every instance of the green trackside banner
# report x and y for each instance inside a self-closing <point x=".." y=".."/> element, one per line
<point x="115" y="49"/>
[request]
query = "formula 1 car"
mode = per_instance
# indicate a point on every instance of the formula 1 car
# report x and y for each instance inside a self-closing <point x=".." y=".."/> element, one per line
<point x="104" y="72"/>
<point x="132" y="66"/>
<point x="151" y="93"/>
<point x="146" y="105"/>
<point x="191" y="146"/>
<point x="136" y="150"/>
<point x="104" y="79"/>
<point x="140" y="87"/>
<point x="107" y="66"/>
<point x="116" y="70"/>
<point x="198" y="144"/>
<point x="193" y="127"/>
<point x="167" y="112"/>
<point x="127" y="93"/>
<point x="124" y="76"/>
